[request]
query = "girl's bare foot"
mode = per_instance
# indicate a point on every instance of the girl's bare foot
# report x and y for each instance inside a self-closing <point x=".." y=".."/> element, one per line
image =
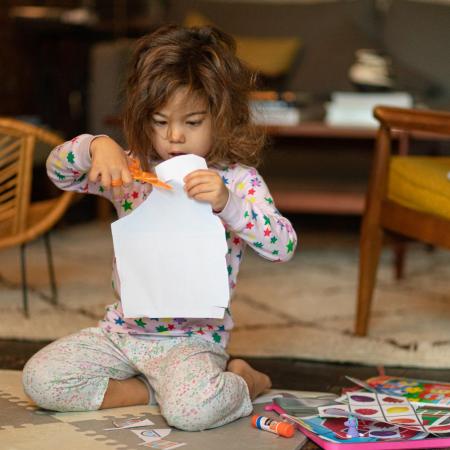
<point x="257" y="382"/>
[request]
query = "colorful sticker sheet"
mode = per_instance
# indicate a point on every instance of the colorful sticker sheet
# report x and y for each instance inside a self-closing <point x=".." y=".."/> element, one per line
<point x="336" y="430"/>
<point x="420" y="391"/>
<point x="392" y="410"/>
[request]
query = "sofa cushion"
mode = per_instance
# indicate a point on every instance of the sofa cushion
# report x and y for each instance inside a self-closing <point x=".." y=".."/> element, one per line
<point x="421" y="183"/>
<point x="271" y="56"/>
<point x="330" y="32"/>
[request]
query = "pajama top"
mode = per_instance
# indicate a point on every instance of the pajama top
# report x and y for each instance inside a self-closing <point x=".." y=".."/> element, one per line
<point x="249" y="218"/>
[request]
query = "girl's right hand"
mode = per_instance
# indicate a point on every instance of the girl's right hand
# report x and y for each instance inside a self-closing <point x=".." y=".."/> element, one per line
<point x="109" y="162"/>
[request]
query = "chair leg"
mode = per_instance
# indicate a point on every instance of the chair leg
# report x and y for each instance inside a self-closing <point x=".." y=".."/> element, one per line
<point x="51" y="270"/>
<point x="369" y="254"/>
<point x="399" y="255"/>
<point x="24" y="280"/>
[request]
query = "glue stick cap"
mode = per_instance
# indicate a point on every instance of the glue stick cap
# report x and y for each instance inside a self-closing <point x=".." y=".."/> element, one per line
<point x="285" y="429"/>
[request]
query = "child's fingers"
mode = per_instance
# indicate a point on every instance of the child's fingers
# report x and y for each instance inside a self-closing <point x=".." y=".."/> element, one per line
<point x="200" y="179"/>
<point x="116" y="183"/>
<point x="203" y="197"/>
<point x="202" y="188"/>
<point x="106" y="179"/>
<point x="126" y="176"/>
<point x="199" y="173"/>
<point x="94" y="175"/>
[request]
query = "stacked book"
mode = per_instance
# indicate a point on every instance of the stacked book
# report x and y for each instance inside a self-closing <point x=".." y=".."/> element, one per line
<point x="273" y="108"/>
<point x="355" y="108"/>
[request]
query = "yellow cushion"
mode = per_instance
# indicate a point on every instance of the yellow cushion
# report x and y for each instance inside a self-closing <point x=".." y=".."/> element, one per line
<point x="272" y="56"/>
<point x="421" y="183"/>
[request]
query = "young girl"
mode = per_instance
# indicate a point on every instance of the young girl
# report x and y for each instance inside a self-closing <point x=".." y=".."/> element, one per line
<point x="187" y="93"/>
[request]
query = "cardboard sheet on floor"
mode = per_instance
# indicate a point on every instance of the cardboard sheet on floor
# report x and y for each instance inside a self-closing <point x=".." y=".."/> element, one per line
<point x="170" y="251"/>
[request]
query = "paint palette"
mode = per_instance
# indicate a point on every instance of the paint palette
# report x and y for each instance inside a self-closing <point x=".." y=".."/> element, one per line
<point x="391" y="410"/>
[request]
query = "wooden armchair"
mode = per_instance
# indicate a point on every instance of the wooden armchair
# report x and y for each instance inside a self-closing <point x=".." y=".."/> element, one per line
<point x="407" y="195"/>
<point x="21" y="220"/>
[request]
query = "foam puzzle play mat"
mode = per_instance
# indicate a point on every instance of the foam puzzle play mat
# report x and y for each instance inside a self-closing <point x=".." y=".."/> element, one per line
<point x="23" y="426"/>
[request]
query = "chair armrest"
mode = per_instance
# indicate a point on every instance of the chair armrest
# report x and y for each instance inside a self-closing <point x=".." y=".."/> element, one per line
<point x="436" y="122"/>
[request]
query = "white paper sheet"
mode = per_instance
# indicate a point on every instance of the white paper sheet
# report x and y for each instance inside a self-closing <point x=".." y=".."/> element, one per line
<point x="152" y="435"/>
<point x="170" y="251"/>
<point x="133" y="422"/>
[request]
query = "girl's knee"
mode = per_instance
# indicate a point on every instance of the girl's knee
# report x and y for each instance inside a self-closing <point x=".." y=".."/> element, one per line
<point x="37" y="382"/>
<point x="52" y="388"/>
<point x="201" y="413"/>
<point x="187" y="418"/>
<point x="209" y="403"/>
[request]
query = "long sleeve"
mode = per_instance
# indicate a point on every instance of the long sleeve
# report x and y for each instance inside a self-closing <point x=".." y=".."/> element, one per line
<point x="251" y="213"/>
<point x="69" y="163"/>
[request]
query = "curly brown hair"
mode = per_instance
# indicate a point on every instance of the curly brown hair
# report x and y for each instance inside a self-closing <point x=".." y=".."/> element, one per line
<point x="204" y="61"/>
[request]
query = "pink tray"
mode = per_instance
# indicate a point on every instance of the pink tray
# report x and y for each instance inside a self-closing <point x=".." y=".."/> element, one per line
<point x="391" y="445"/>
<point x="388" y="445"/>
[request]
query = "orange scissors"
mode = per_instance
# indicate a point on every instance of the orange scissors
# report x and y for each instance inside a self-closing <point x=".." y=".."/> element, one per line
<point x="147" y="177"/>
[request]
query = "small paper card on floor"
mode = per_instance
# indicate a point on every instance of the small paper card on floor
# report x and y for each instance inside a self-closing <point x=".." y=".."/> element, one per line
<point x="134" y="422"/>
<point x="164" y="445"/>
<point x="170" y="251"/>
<point x="150" y="435"/>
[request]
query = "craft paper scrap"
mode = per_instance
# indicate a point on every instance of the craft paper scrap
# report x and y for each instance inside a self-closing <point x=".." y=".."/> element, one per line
<point x="134" y="422"/>
<point x="170" y="252"/>
<point x="163" y="445"/>
<point x="150" y="435"/>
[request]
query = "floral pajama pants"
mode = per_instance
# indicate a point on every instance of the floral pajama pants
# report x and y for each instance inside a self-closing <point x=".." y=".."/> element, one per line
<point x="187" y="373"/>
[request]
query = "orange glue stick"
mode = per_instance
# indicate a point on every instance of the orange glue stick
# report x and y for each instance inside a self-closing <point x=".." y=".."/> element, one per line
<point x="267" y="424"/>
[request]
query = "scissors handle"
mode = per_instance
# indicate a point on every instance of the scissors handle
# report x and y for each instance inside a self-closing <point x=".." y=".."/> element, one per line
<point x="147" y="177"/>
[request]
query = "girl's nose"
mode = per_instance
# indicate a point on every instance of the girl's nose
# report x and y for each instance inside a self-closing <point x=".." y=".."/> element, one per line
<point x="175" y="134"/>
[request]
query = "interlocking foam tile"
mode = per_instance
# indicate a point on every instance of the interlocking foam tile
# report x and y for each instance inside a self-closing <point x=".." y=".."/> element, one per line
<point x="17" y="415"/>
<point x="11" y="385"/>
<point x="96" y="429"/>
<point x="16" y="410"/>
<point x="56" y="436"/>
<point x="23" y="426"/>
<point x="129" y="411"/>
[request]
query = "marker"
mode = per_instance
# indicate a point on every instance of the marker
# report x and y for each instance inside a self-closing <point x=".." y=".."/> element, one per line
<point x="267" y="424"/>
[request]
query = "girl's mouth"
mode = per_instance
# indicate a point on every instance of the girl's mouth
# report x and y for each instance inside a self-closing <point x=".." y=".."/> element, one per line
<point x="173" y="154"/>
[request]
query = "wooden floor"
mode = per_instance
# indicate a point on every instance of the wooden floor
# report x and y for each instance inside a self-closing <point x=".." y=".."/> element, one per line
<point x="285" y="373"/>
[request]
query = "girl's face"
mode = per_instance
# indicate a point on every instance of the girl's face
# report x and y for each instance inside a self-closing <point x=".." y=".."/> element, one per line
<point x="182" y="126"/>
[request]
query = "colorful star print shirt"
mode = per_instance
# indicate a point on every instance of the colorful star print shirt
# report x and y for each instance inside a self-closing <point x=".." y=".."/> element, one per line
<point x="249" y="218"/>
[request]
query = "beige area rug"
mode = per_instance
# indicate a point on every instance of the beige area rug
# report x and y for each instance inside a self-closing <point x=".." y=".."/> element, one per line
<point x="24" y="427"/>
<point x="302" y="309"/>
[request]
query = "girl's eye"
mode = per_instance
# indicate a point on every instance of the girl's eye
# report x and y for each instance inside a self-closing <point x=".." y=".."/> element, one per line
<point x="159" y="123"/>
<point x="195" y="123"/>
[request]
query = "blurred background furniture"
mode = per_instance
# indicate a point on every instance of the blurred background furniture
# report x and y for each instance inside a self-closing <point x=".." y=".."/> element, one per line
<point x="316" y="58"/>
<point x="70" y="75"/>
<point x="408" y="195"/>
<point x="301" y="161"/>
<point x="21" y="219"/>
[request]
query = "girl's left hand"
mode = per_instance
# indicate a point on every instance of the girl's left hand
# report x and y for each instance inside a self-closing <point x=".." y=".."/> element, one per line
<point x="207" y="186"/>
